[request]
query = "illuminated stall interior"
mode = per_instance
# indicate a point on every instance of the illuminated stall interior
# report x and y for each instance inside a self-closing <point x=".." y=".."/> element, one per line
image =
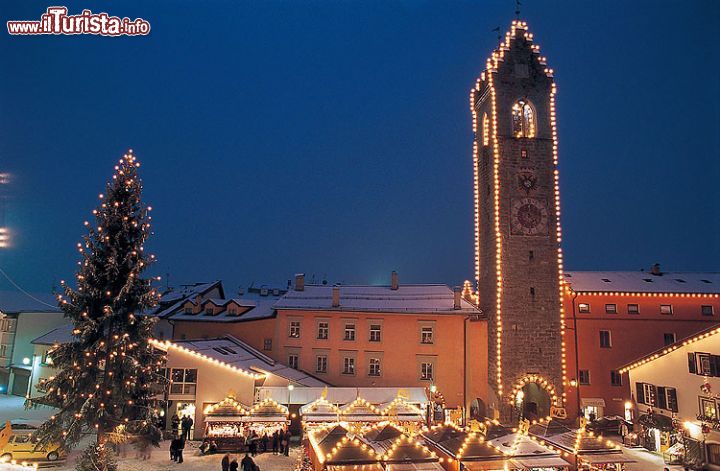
<point x="360" y="414"/>
<point x="402" y="413"/>
<point x="319" y="412"/>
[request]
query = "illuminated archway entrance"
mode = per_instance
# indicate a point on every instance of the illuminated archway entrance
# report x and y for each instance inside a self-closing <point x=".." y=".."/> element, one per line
<point x="532" y="398"/>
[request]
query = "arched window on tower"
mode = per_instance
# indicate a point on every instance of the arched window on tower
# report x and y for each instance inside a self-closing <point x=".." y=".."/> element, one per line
<point x="523" y="119"/>
<point x="486" y="130"/>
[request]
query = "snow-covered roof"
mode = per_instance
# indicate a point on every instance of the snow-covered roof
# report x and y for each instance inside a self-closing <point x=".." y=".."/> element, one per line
<point x="234" y="352"/>
<point x="12" y="302"/>
<point x="261" y="304"/>
<point x="643" y="282"/>
<point x="172" y="301"/>
<point x="406" y="298"/>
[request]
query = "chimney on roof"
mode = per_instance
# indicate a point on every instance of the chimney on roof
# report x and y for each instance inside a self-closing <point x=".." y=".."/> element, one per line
<point x="655" y="270"/>
<point x="335" y="296"/>
<point x="457" y="294"/>
<point x="394" y="284"/>
<point x="300" y="282"/>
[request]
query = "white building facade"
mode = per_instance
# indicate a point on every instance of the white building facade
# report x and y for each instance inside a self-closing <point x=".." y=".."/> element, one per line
<point x="677" y="394"/>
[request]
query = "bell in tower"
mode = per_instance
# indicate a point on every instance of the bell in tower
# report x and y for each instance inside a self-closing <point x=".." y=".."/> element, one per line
<point x="517" y="228"/>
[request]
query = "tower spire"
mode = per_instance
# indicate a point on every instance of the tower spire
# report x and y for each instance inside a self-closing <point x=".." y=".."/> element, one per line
<point x="517" y="9"/>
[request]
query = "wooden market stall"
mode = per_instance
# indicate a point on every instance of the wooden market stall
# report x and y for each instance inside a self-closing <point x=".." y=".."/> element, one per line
<point x="319" y="412"/>
<point x="360" y="414"/>
<point x="332" y="448"/>
<point x="582" y="448"/>
<point x="266" y="417"/>
<point x="399" y="451"/>
<point x="456" y="446"/>
<point x="404" y="414"/>
<point x="224" y="424"/>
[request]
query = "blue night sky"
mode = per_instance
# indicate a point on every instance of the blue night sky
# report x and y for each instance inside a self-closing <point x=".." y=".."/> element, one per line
<point x="334" y="138"/>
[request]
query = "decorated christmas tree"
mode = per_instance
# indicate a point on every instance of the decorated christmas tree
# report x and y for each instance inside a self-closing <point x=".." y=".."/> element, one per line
<point x="106" y="374"/>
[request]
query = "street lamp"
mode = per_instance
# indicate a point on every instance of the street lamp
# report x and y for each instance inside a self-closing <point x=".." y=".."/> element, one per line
<point x="290" y="388"/>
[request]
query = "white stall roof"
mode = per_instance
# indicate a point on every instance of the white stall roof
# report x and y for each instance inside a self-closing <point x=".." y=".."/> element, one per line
<point x="342" y="395"/>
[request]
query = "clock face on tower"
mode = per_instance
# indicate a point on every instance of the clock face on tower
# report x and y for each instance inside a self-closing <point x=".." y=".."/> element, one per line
<point x="529" y="217"/>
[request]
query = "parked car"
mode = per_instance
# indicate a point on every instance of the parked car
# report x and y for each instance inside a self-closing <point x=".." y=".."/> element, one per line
<point x="17" y="443"/>
<point x="609" y="425"/>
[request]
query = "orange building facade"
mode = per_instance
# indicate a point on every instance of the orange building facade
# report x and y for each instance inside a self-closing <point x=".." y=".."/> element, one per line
<point x="622" y="316"/>
<point x="360" y="336"/>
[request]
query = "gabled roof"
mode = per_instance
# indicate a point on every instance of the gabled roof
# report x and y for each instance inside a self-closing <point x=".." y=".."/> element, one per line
<point x="260" y="301"/>
<point x="172" y="301"/>
<point x="703" y="334"/>
<point x="643" y="282"/>
<point x="366" y="298"/>
<point x="237" y="354"/>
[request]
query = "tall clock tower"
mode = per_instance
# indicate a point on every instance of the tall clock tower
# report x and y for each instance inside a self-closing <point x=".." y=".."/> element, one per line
<point x="517" y="227"/>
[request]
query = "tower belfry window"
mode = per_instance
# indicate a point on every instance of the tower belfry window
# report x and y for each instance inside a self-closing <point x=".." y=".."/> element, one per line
<point x="523" y="119"/>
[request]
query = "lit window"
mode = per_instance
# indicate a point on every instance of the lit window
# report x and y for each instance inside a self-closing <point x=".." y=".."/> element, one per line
<point x="523" y="119"/>
<point x="615" y="378"/>
<point x="708" y="409"/>
<point x="349" y="331"/>
<point x="669" y="339"/>
<point x="584" y="307"/>
<point x="321" y="364"/>
<point x="633" y="309"/>
<point x="584" y="377"/>
<point x="293" y="360"/>
<point x="183" y="380"/>
<point x="426" y="371"/>
<point x="426" y="335"/>
<point x="374" y="369"/>
<point x="666" y="309"/>
<point x="605" y="339"/>
<point x="323" y="330"/>
<point x="611" y="308"/>
<point x="486" y="130"/>
<point x="348" y="366"/>
<point x="375" y="333"/>
<point x="707" y="310"/>
<point x="295" y="329"/>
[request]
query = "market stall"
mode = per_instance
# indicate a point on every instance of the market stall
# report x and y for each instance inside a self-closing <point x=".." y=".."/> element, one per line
<point x="266" y="417"/>
<point x="404" y="414"/>
<point x="224" y="424"/>
<point x="360" y="414"/>
<point x="319" y="412"/>
<point x="398" y="450"/>
<point x="333" y="448"/>
<point x="456" y="446"/>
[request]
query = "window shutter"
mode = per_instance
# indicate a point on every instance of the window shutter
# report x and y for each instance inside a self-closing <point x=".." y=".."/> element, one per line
<point x="661" y="398"/>
<point x="715" y="365"/>
<point x="692" y="365"/>
<point x="672" y="399"/>
<point x="640" y="393"/>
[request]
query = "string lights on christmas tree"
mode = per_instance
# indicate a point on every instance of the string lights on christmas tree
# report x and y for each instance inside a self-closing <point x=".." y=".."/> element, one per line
<point x="105" y="374"/>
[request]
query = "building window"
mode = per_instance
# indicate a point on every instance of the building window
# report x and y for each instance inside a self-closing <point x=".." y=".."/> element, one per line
<point x="584" y="377"/>
<point x="323" y="330"/>
<point x="188" y="310"/>
<point x="486" y="130"/>
<point x="706" y="364"/>
<point x="233" y="311"/>
<point x="611" y="309"/>
<point x="667" y="398"/>
<point x="375" y="333"/>
<point x="707" y="310"/>
<point x="523" y="119"/>
<point x="426" y="371"/>
<point x="47" y="358"/>
<point x="669" y="338"/>
<point x="294" y="329"/>
<point x="615" y="378"/>
<point x="293" y="360"/>
<point x="646" y="394"/>
<point x="349" y="332"/>
<point x="321" y="363"/>
<point x="523" y="153"/>
<point x="267" y="344"/>
<point x="183" y="381"/>
<point x="209" y="311"/>
<point x="348" y="366"/>
<point x="605" y="341"/>
<point x="426" y="335"/>
<point x="713" y="453"/>
<point x="666" y="309"/>
<point x="633" y="309"/>
<point x="3" y="350"/>
<point x="708" y="409"/>
<point x="374" y="369"/>
<point x="584" y="308"/>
